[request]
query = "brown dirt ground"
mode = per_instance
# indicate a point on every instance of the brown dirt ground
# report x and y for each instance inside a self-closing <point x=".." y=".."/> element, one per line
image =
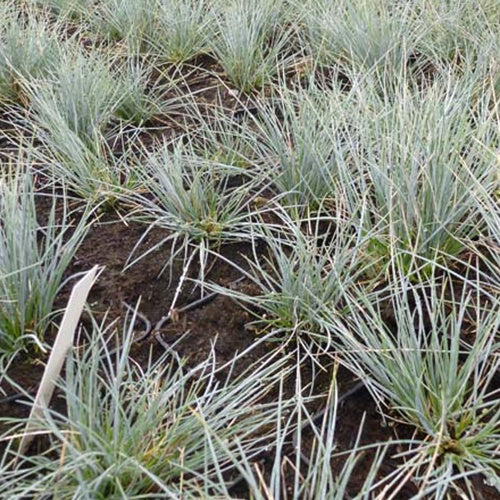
<point x="109" y="244"/>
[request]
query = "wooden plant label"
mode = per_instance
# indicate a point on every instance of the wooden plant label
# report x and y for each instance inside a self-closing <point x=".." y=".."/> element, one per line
<point x="62" y="345"/>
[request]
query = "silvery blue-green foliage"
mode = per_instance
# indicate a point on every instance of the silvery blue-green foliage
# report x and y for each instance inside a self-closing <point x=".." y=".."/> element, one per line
<point x="76" y="115"/>
<point x="367" y="193"/>
<point x="33" y="258"/>
<point x="299" y="137"/>
<point x="298" y="275"/>
<point x="435" y="367"/>
<point x="308" y="473"/>
<point x="420" y="155"/>
<point x="91" y="91"/>
<point x="67" y="9"/>
<point x="194" y="195"/>
<point x="180" y="29"/>
<point x="487" y="247"/>
<point x="202" y="203"/>
<point x="89" y="169"/>
<point x="140" y="96"/>
<point x="367" y="35"/>
<point x="170" y="30"/>
<point x="155" y="429"/>
<point x="249" y="41"/>
<point x="131" y="21"/>
<point x="29" y="49"/>
<point x="457" y="30"/>
<point x="82" y="91"/>
<point x="225" y="138"/>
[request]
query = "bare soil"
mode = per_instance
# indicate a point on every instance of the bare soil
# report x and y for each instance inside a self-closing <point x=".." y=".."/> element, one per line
<point x="221" y="322"/>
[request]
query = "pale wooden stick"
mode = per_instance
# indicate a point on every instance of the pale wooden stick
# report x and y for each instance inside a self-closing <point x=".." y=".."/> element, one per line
<point x="62" y="345"/>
